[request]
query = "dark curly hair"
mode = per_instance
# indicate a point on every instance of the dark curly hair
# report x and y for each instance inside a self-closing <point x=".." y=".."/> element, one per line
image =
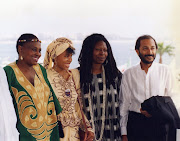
<point x="86" y="60"/>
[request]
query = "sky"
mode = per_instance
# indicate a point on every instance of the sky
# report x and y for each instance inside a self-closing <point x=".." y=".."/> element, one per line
<point x="127" y="18"/>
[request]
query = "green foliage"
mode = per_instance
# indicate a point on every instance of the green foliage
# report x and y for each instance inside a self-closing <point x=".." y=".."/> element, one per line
<point x="162" y="49"/>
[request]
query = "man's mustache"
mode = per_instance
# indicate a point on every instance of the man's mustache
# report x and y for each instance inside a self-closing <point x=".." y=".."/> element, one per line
<point x="149" y="55"/>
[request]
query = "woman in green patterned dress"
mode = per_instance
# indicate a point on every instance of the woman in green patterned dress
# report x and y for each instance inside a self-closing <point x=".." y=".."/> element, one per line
<point x="35" y="103"/>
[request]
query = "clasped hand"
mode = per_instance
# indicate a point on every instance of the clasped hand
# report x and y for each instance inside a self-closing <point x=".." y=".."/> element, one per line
<point x="145" y="113"/>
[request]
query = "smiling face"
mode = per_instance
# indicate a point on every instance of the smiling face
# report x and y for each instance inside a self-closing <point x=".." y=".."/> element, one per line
<point x="147" y="51"/>
<point x="100" y="53"/>
<point x="31" y="52"/>
<point x="63" y="61"/>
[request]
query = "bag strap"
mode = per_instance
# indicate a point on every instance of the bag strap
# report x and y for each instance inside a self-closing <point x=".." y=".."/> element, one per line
<point x="76" y="80"/>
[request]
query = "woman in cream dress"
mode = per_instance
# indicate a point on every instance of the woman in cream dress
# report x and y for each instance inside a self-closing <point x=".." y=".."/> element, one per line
<point x="60" y="52"/>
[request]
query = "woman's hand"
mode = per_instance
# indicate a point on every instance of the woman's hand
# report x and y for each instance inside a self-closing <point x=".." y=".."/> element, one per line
<point x="90" y="136"/>
<point x="124" y="138"/>
<point x="145" y="113"/>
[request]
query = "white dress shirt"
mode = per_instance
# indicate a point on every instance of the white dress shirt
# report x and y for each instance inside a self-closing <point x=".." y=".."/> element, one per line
<point x="8" y="131"/>
<point x="137" y="86"/>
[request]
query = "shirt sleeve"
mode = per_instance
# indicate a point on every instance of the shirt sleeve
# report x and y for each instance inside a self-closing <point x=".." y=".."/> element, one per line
<point x="124" y="98"/>
<point x="169" y="86"/>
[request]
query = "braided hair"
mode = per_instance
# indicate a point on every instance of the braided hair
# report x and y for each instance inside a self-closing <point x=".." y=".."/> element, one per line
<point x="24" y="38"/>
<point x="86" y="60"/>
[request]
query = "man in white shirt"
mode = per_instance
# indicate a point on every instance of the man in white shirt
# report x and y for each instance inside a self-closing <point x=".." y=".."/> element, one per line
<point x="8" y="131"/>
<point x="139" y="83"/>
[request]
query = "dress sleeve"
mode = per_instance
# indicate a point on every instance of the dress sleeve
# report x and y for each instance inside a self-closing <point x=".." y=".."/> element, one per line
<point x="76" y="79"/>
<point x="9" y="73"/>
<point x="78" y="110"/>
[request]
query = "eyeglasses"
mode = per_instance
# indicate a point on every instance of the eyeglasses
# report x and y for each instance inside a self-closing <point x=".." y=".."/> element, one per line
<point x="32" y="40"/>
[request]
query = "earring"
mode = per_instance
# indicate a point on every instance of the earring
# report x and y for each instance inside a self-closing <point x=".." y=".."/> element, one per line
<point x="21" y="58"/>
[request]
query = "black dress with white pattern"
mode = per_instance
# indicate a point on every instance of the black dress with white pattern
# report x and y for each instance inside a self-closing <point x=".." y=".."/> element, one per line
<point x="112" y="115"/>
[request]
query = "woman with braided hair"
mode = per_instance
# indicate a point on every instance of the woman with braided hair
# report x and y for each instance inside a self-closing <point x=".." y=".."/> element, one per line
<point x="100" y="83"/>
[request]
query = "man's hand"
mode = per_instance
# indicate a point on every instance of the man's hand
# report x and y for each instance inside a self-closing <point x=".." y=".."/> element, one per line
<point x="124" y="138"/>
<point x="145" y="113"/>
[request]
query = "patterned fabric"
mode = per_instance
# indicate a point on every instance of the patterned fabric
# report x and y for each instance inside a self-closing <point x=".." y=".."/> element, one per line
<point x="55" y="48"/>
<point x="34" y="105"/>
<point x="112" y="117"/>
<point x="70" y="116"/>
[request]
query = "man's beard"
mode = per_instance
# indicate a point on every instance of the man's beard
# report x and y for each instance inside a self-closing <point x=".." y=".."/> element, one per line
<point x="144" y="60"/>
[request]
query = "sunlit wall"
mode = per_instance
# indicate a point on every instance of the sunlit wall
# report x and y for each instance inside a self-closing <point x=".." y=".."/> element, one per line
<point x="175" y="31"/>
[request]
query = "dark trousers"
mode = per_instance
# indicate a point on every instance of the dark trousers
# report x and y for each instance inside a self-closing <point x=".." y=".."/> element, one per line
<point x="141" y="128"/>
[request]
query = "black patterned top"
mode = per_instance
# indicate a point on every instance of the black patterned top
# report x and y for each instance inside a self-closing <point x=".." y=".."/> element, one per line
<point x="112" y="116"/>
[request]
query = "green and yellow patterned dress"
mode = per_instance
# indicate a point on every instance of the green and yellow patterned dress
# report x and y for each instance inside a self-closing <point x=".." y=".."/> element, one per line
<point x="36" y="106"/>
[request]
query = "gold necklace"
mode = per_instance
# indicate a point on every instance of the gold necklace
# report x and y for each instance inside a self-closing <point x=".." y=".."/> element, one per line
<point x="103" y="110"/>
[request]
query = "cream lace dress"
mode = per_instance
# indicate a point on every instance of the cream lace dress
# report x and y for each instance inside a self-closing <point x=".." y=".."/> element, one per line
<point x="66" y="93"/>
